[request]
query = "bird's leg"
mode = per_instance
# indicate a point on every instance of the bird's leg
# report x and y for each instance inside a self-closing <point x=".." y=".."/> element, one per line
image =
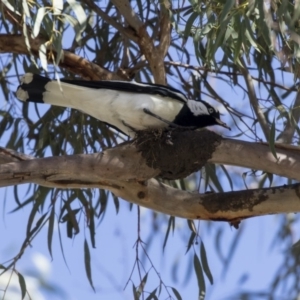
<point x="130" y="127"/>
<point x="148" y="112"/>
<point x="169" y="137"/>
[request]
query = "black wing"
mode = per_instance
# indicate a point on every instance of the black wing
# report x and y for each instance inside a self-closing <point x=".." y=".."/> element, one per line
<point x="131" y="87"/>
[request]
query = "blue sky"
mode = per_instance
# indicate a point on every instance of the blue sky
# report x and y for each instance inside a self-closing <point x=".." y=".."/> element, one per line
<point x="252" y="267"/>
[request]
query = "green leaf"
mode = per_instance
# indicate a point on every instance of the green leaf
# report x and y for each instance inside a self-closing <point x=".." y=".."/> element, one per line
<point x="249" y="34"/>
<point x="171" y="223"/>
<point x="61" y="247"/>
<point x="43" y="56"/>
<point x="191" y="242"/>
<point x="116" y="202"/>
<point x="135" y="294"/>
<point x="22" y="285"/>
<point x="192" y="226"/>
<point x="87" y="263"/>
<point x="26" y="8"/>
<point x="57" y="44"/>
<point x="92" y="225"/>
<point x="200" y="277"/>
<point x="176" y="293"/>
<point x="50" y="230"/>
<point x="31" y="217"/>
<point x="142" y="285"/>
<point x="10" y="7"/>
<point x="226" y="9"/>
<point x="205" y="263"/>
<point x="38" y="21"/>
<point x="79" y="12"/>
<point x="152" y="295"/>
<point x="189" y="24"/>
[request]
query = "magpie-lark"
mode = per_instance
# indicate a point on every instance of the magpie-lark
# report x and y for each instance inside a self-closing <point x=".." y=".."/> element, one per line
<point x="128" y="106"/>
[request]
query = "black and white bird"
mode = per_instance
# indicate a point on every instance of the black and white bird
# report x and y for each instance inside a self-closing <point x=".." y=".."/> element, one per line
<point x="128" y="106"/>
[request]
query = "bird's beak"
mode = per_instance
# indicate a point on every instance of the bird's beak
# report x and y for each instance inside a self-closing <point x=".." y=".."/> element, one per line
<point x="219" y="122"/>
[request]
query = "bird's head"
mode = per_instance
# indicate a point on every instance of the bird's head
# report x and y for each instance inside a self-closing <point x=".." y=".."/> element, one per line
<point x="203" y="109"/>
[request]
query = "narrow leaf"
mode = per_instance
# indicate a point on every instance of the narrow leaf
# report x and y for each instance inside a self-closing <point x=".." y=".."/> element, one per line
<point x="61" y="247"/>
<point x="43" y="56"/>
<point x="191" y="242"/>
<point x="200" y="277"/>
<point x="176" y="293"/>
<point x="50" y="230"/>
<point x="10" y="7"/>
<point x="31" y="217"/>
<point x="87" y="263"/>
<point x="92" y="227"/>
<point x="152" y="295"/>
<point x="38" y="21"/>
<point x="192" y="226"/>
<point x="226" y="9"/>
<point x="170" y="224"/>
<point x="135" y="294"/>
<point x="26" y="8"/>
<point x="22" y="285"/>
<point x="189" y="24"/>
<point x="205" y="263"/>
<point x="79" y="12"/>
<point x="142" y="284"/>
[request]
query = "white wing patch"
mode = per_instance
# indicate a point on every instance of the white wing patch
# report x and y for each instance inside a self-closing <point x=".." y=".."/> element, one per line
<point x="198" y="108"/>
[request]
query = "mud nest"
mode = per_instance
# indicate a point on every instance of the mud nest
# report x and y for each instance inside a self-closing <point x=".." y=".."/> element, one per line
<point x="176" y="152"/>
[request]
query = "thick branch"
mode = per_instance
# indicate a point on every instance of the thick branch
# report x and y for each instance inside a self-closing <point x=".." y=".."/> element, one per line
<point x="154" y="55"/>
<point x="125" y="163"/>
<point x="231" y="206"/>
<point x="257" y="156"/>
<point x="15" y="43"/>
<point x="123" y="171"/>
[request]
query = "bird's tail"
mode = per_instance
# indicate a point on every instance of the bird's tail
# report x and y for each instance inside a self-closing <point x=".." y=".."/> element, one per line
<point x="39" y="89"/>
<point x="32" y="88"/>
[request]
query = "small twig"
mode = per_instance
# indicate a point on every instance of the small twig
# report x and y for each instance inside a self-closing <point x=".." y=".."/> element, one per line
<point x="128" y="13"/>
<point x="126" y="31"/>
<point x="155" y="270"/>
<point x="206" y="69"/>
<point x="254" y="101"/>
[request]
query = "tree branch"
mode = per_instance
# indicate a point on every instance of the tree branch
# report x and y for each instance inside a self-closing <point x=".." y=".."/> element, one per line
<point x="165" y="29"/>
<point x="128" y="13"/>
<point x="123" y="171"/>
<point x="125" y="31"/>
<point x="154" y="55"/>
<point x="253" y="100"/>
<point x="15" y="43"/>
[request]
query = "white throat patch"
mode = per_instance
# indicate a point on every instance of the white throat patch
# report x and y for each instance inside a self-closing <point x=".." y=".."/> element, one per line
<point x="198" y="108"/>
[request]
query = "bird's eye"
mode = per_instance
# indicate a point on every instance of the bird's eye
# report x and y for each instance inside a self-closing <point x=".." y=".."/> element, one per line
<point x="210" y="110"/>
